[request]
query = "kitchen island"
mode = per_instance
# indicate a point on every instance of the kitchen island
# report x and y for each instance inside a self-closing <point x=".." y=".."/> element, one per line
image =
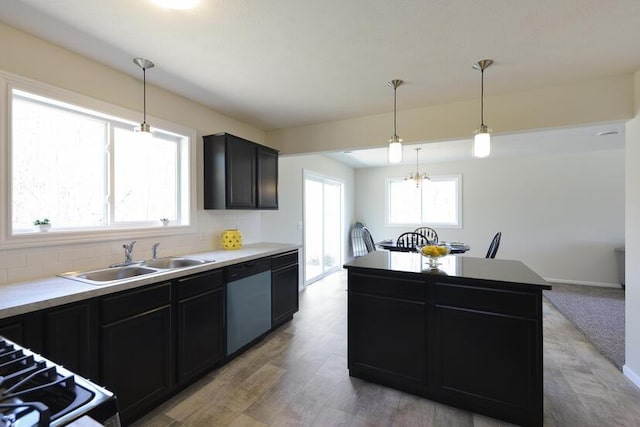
<point x="468" y="334"/>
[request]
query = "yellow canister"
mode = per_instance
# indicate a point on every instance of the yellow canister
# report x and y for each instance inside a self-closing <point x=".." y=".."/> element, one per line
<point x="232" y="239"/>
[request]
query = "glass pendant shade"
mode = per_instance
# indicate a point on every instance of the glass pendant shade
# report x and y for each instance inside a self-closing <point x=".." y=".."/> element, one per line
<point x="482" y="142"/>
<point x="395" y="150"/>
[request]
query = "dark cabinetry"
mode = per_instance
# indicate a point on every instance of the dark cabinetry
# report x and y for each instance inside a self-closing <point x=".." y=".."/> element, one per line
<point x="239" y="174"/>
<point x="487" y="351"/>
<point x="200" y="318"/>
<point x="136" y="344"/>
<point x="284" y="287"/>
<point x="469" y="343"/>
<point x="70" y="338"/>
<point x="387" y="330"/>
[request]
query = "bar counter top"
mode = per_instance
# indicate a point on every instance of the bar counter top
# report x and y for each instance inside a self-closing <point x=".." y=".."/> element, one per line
<point x="453" y="266"/>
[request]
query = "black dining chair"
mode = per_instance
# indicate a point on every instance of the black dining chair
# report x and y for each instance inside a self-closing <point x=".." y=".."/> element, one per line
<point x="410" y="240"/>
<point x="428" y="232"/>
<point x="368" y="240"/>
<point x="357" y="240"/>
<point x="493" y="247"/>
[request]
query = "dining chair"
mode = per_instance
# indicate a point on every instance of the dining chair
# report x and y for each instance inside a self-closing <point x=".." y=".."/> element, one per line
<point x="493" y="247"/>
<point x="357" y="240"/>
<point x="428" y="232"/>
<point x="368" y="240"/>
<point x="411" y="240"/>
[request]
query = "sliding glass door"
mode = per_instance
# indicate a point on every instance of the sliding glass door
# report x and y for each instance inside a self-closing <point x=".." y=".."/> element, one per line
<point x="322" y="226"/>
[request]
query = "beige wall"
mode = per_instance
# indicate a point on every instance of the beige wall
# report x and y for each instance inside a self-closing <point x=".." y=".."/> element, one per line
<point x="632" y="237"/>
<point x="28" y="56"/>
<point x="597" y="101"/>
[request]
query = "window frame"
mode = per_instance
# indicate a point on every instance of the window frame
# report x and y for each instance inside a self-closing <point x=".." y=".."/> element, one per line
<point x="444" y="177"/>
<point x="9" y="82"/>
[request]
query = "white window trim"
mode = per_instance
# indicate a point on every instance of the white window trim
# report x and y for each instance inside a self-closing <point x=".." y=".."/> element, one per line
<point x="458" y="225"/>
<point x="10" y="81"/>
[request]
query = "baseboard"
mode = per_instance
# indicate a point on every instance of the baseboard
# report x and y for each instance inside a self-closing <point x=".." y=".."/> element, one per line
<point x="584" y="283"/>
<point x="635" y="379"/>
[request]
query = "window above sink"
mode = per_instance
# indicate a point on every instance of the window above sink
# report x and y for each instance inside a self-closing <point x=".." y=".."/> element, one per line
<point x="78" y="162"/>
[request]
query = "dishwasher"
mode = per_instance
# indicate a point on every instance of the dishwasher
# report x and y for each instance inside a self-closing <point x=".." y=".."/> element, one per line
<point x="248" y="302"/>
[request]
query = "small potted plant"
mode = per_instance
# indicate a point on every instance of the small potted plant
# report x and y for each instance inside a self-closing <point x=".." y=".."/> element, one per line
<point x="164" y="221"/>
<point x="42" y="224"/>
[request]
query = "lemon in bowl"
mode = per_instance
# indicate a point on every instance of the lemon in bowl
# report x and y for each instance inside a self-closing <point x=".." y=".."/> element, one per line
<point x="433" y="252"/>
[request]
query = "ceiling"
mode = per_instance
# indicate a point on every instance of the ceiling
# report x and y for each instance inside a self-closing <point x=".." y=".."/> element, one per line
<point x="285" y="63"/>
<point x="545" y="142"/>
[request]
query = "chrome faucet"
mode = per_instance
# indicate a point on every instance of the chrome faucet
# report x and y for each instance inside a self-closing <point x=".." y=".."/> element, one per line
<point x="154" y="250"/>
<point x="128" y="251"/>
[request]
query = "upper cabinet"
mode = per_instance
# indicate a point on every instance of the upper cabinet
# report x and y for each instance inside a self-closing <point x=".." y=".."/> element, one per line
<point x="239" y="174"/>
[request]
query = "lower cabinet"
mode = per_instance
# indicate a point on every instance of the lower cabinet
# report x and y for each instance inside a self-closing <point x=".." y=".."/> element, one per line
<point x="200" y="319"/>
<point x="70" y="338"/>
<point x="137" y="348"/>
<point x="387" y="334"/>
<point x="284" y="287"/>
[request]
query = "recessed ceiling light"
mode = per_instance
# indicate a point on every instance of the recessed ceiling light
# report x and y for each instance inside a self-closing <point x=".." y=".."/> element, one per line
<point x="176" y="4"/>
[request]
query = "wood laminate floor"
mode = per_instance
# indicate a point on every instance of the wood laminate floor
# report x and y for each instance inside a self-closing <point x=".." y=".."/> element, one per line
<point x="297" y="376"/>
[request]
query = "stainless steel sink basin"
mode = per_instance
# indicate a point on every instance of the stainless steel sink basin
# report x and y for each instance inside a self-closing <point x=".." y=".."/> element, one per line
<point x="118" y="273"/>
<point x="109" y="275"/>
<point x="173" y="262"/>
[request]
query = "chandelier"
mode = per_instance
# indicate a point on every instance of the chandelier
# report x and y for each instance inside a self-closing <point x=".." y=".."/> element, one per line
<point x="416" y="176"/>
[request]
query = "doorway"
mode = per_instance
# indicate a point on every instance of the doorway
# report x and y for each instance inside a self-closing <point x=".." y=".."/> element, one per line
<point x="322" y="226"/>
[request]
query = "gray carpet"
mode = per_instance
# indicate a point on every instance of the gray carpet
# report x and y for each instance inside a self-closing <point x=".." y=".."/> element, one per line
<point x="597" y="312"/>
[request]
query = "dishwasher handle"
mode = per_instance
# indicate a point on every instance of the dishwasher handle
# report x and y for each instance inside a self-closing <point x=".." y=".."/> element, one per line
<point x="246" y="269"/>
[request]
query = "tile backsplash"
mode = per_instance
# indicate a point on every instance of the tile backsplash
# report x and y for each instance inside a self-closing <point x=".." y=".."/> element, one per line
<point x="17" y="265"/>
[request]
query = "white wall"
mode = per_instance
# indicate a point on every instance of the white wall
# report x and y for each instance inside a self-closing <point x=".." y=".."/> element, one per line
<point x="282" y="225"/>
<point x="562" y="215"/>
<point x="632" y="230"/>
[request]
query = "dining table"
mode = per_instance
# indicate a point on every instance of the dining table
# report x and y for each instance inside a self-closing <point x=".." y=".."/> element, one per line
<point x="391" y="245"/>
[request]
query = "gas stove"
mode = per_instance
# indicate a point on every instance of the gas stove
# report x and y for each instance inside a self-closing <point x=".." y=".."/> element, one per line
<point x="36" y="392"/>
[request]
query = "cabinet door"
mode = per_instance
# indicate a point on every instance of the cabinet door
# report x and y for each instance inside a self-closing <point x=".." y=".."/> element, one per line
<point x="25" y="330"/>
<point x="71" y="339"/>
<point x="387" y="340"/>
<point x="284" y="294"/>
<point x="489" y="361"/>
<point x="136" y="361"/>
<point x="240" y="173"/>
<point x="200" y="326"/>
<point x="267" y="178"/>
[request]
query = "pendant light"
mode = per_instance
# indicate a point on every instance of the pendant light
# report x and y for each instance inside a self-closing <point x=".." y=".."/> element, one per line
<point x="145" y="64"/>
<point x="482" y="135"/>
<point x="417" y="177"/>
<point x="395" y="143"/>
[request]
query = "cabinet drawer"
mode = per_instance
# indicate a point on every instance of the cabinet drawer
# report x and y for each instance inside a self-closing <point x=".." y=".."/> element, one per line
<point x="246" y="269"/>
<point x="283" y="260"/>
<point x="199" y="284"/>
<point x="486" y="299"/>
<point x="387" y="285"/>
<point x="132" y="302"/>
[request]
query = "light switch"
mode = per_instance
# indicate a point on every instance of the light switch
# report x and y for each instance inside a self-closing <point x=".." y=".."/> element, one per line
<point x="299" y="225"/>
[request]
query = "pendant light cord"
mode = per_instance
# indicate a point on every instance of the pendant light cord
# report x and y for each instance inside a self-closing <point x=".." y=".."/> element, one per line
<point x="395" y="131"/>
<point x="482" y="97"/>
<point x="144" y="94"/>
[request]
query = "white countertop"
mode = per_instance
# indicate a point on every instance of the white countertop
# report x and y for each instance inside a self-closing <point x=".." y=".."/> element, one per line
<point x="24" y="297"/>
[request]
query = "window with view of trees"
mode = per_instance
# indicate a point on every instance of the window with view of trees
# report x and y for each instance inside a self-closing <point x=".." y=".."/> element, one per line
<point x="436" y="202"/>
<point x="84" y="169"/>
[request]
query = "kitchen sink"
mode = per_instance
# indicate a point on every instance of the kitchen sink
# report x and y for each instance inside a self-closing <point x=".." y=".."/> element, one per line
<point x="173" y="262"/>
<point x="109" y="275"/>
<point x="115" y="274"/>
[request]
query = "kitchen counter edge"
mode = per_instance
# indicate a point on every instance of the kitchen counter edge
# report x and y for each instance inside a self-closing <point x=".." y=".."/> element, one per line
<point x="29" y="296"/>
